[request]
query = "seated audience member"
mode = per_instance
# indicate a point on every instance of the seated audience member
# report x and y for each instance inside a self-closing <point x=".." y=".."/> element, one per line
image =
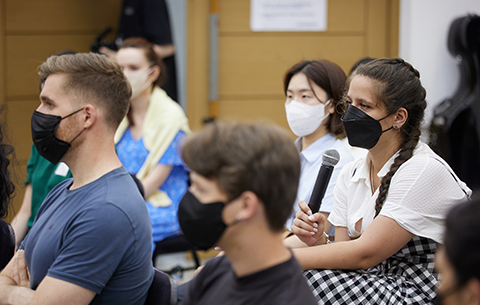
<point x="244" y="180"/>
<point x="389" y="207"/>
<point x="458" y="261"/>
<point x="91" y="240"/>
<point x="42" y="176"/>
<point x="7" y="189"/>
<point x="148" y="137"/>
<point x="313" y="89"/>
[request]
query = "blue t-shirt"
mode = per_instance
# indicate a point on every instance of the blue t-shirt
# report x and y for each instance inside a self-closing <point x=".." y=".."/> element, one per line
<point x="132" y="153"/>
<point x="97" y="236"/>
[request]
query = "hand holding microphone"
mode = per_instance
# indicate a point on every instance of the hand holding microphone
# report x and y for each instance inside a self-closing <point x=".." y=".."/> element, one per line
<point x="308" y="225"/>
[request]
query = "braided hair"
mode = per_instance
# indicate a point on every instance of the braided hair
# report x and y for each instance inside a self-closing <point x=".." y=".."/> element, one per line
<point x="397" y="84"/>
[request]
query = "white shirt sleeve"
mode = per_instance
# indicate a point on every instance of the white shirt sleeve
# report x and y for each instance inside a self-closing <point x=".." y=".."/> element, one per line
<point x="339" y="215"/>
<point x="421" y="193"/>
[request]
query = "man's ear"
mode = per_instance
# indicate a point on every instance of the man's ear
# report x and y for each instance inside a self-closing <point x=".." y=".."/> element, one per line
<point x="400" y="117"/>
<point x="250" y="205"/>
<point x="91" y="115"/>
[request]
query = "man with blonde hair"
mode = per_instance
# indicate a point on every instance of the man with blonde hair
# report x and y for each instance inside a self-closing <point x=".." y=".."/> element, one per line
<point x="91" y="240"/>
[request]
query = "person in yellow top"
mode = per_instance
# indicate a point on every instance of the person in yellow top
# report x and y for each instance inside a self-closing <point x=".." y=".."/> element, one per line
<point x="148" y="138"/>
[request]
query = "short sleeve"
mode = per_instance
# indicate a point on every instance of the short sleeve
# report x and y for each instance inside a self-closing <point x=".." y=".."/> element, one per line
<point x="421" y="193"/>
<point x="172" y="154"/>
<point x="339" y="215"/>
<point x="93" y="246"/>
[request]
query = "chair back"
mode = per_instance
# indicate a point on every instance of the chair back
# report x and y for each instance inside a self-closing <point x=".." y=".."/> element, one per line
<point x="162" y="291"/>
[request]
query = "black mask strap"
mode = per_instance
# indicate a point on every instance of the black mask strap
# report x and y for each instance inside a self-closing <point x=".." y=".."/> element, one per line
<point x="73" y="113"/>
<point x="81" y="133"/>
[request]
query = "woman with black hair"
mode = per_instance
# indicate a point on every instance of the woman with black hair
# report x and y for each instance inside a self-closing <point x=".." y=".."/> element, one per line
<point x="7" y="188"/>
<point x="390" y="206"/>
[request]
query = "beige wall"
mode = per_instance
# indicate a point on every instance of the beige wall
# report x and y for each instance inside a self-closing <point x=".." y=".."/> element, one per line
<point x="252" y="64"/>
<point x="30" y="31"/>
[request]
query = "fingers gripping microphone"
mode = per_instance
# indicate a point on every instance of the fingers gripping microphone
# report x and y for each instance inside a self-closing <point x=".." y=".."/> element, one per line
<point x="330" y="158"/>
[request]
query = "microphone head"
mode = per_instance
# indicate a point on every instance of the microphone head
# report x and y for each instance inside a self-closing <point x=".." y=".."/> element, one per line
<point x="331" y="157"/>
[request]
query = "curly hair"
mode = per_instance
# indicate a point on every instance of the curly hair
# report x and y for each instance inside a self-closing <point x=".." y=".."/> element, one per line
<point x="7" y="188"/>
<point x="397" y="84"/>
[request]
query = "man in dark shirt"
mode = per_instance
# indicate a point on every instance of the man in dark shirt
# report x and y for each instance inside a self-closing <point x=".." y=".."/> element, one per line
<point x="244" y="181"/>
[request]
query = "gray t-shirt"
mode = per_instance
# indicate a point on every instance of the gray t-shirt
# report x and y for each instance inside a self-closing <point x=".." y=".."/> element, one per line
<point x="97" y="236"/>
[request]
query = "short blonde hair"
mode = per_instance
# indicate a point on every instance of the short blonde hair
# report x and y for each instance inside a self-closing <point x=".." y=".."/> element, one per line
<point x="92" y="78"/>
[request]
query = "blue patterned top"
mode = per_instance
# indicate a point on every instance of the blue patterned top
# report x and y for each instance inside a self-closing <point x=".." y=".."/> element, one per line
<point x="133" y="154"/>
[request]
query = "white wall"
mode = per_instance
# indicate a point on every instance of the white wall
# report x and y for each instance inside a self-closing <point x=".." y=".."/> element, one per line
<point x="424" y="26"/>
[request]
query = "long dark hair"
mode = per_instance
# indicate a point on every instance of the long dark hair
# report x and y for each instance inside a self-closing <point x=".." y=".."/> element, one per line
<point x="7" y="188"/>
<point x="328" y="76"/>
<point x="397" y="84"/>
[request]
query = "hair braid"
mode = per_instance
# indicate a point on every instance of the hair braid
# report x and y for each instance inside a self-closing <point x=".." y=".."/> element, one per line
<point x="406" y="152"/>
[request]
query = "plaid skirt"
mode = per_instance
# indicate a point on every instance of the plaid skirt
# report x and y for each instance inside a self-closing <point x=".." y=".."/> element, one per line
<point x="407" y="277"/>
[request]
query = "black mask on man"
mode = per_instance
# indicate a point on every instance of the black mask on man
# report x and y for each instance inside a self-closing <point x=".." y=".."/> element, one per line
<point x="362" y="130"/>
<point x="44" y="127"/>
<point x="201" y="224"/>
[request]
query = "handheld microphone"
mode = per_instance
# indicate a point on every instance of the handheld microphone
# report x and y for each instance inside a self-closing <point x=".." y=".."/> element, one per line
<point x="330" y="158"/>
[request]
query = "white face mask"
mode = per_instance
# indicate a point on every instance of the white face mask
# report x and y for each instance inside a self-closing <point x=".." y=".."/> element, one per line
<point x="138" y="81"/>
<point x="304" y="119"/>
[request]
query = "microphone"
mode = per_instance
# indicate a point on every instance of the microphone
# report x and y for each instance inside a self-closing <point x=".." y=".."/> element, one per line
<point x="330" y="158"/>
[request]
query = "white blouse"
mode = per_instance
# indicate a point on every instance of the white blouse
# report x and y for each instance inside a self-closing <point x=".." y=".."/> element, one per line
<point x="421" y="193"/>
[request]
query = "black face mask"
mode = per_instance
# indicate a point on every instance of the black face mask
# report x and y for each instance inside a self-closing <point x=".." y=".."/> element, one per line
<point x="362" y="130"/>
<point x="44" y="127"/>
<point x="201" y="224"/>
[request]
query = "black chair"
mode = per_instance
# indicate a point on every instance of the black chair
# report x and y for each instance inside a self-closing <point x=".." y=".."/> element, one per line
<point x="7" y="243"/>
<point x="172" y="245"/>
<point x="162" y="291"/>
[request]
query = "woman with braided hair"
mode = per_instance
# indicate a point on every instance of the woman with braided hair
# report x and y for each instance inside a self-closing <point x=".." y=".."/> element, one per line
<point x="389" y="207"/>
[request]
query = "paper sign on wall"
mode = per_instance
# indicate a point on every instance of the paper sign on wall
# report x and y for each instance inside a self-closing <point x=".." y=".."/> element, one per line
<point x="288" y="15"/>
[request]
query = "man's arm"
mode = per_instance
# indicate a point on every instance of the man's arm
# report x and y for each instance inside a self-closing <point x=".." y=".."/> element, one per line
<point x="53" y="291"/>
<point x="14" y="282"/>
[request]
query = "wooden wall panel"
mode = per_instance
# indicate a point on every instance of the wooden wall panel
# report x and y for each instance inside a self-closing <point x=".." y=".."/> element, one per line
<point x="17" y="118"/>
<point x="62" y="15"/>
<point x="2" y="53"/>
<point x="26" y="53"/>
<point x="197" y="62"/>
<point x="266" y="110"/>
<point x="249" y="66"/>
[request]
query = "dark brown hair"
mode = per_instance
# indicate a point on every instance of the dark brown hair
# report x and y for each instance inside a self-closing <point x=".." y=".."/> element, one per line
<point x="248" y="157"/>
<point x="93" y="78"/>
<point x="328" y="76"/>
<point x="462" y="241"/>
<point x="152" y="57"/>
<point x="397" y="85"/>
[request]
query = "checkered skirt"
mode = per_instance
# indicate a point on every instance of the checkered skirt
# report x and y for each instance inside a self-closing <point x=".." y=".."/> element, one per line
<point x="407" y="277"/>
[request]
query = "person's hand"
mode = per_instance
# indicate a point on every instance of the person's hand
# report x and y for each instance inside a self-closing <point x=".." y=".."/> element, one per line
<point x="19" y="272"/>
<point x="309" y="227"/>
